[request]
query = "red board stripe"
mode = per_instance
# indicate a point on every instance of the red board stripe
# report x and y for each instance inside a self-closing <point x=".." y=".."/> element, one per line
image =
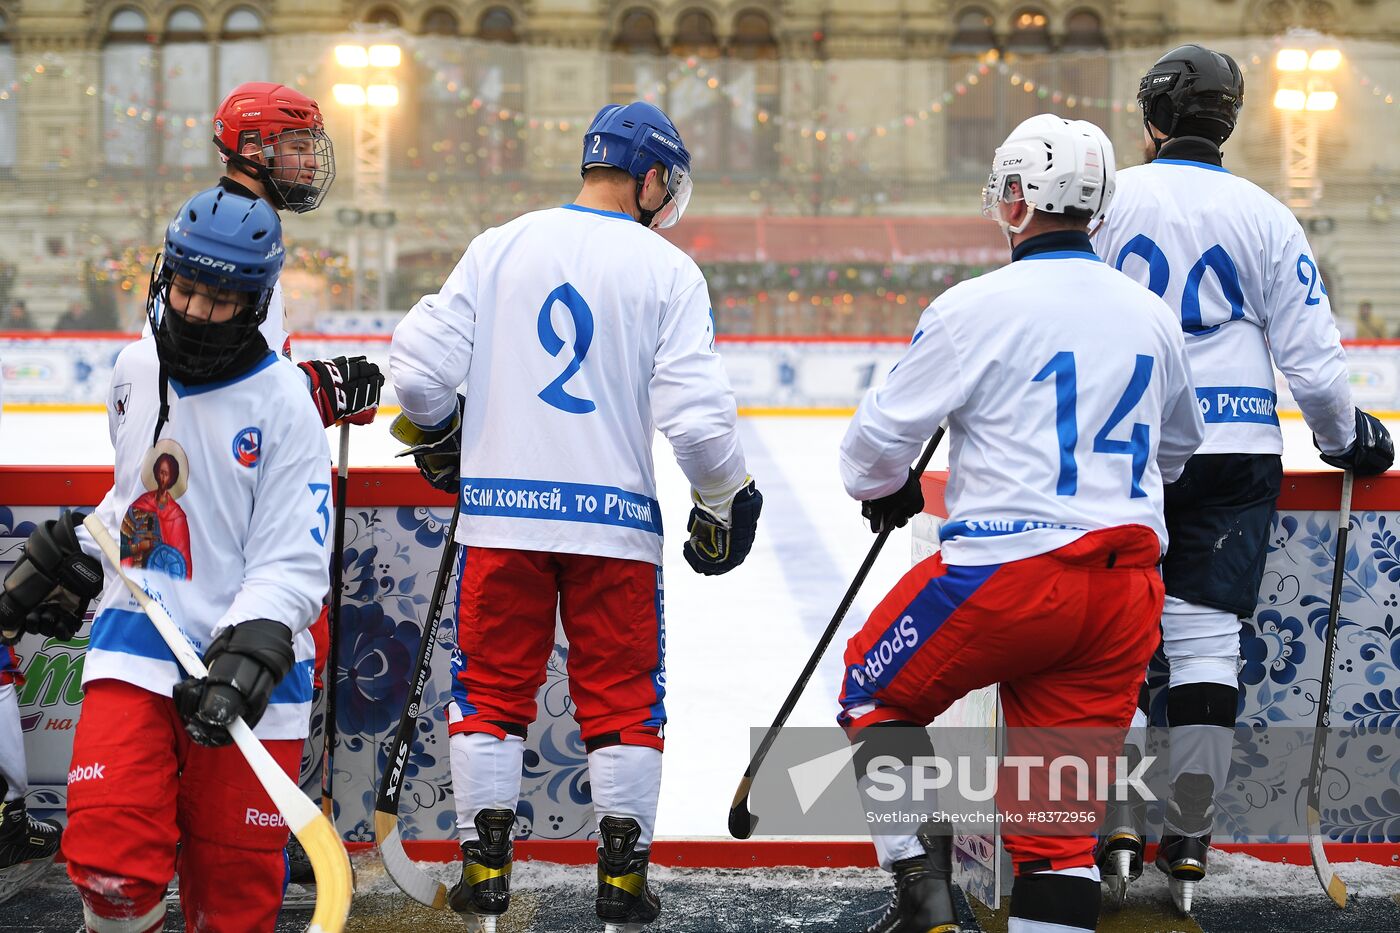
<point x="388" y="486"/>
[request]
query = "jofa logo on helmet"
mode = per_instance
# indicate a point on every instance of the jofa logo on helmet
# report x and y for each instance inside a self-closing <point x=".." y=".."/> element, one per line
<point x="212" y="263"/>
<point x="247" y="446"/>
<point x="275" y="251"/>
<point x="669" y="142"/>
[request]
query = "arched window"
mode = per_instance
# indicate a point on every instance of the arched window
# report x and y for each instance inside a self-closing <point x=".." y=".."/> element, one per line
<point x="470" y="98"/>
<point x="242" y="51"/>
<point x="242" y="21"/>
<point x="754" y="78"/>
<point x="1030" y="32"/>
<point x="383" y="16"/>
<point x="695" y="35"/>
<point x="753" y="36"/>
<point x="1084" y="32"/>
<point x="8" y="115"/>
<point x="1320" y="16"/>
<point x="440" y="22"/>
<point x="974" y="32"/>
<point x="497" y="25"/>
<point x="129" y="69"/>
<point x="185" y="88"/>
<point x="637" y="33"/>
<point x="184" y="20"/>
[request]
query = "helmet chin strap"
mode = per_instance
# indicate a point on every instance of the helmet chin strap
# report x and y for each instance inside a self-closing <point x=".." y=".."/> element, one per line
<point x="645" y="217"/>
<point x="1009" y="231"/>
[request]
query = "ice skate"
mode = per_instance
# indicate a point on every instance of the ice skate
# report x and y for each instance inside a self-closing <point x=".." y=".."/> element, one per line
<point x="483" y="893"/>
<point x="1120" y="847"/>
<point x="1182" y="854"/>
<point x="27" y="846"/>
<point x="626" y="903"/>
<point x="923" y="892"/>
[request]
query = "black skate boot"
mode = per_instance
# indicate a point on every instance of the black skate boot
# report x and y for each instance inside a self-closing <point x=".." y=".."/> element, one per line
<point x="1182" y="855"/>
<point x="1120" y="845"/>
<point x="483" y="894"/>
<point x="27" y="845"/>
<point x="625" y="902"/>
<point x="923" y="892"/>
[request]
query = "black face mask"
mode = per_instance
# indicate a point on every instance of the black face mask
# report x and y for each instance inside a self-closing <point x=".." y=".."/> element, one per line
<point x="200" y="352"/>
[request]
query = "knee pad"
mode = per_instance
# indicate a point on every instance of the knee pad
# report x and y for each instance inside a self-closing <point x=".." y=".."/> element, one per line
<point x="902" y="740"/>
<point x="1056" y="900"/>
<point x="1201" y="644"/>
<point x="1202" y="704"/>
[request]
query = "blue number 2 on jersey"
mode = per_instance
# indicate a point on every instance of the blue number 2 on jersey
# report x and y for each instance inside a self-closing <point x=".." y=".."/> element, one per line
<point x="555" y="394"/>
<point x="1061" y="366"/>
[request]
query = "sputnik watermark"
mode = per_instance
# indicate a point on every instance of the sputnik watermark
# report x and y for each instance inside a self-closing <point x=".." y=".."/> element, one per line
<point x="1089" y="779"/>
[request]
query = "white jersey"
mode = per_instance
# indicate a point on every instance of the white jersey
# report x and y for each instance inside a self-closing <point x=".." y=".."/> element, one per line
<point x="577" y="333"/>
<point x="1235" y="266"/>
<point x="237" y="530"/>
<point x="1068" y="402"/>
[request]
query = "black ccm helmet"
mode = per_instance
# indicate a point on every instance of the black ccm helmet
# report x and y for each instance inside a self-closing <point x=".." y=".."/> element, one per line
<point x="1192" y="91"/>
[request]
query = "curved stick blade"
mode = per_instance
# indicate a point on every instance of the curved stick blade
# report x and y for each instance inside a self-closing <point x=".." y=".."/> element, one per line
<point x="741" y="822"/>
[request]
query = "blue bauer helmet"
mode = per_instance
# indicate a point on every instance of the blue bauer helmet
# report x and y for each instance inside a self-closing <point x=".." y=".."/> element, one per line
<point x="212" y="284"/>
<point x="634" y="137"/>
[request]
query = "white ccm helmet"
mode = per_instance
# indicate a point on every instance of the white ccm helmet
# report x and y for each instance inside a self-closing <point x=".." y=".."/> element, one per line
<point x="1061" y="165"/>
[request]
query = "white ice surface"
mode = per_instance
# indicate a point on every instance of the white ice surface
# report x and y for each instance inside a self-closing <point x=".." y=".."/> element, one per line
<point x="736" y="643"/>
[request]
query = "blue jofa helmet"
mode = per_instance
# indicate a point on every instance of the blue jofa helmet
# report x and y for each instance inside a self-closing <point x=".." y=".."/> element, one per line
<point x="222" y="252"/>
<point x="634" y="137"/>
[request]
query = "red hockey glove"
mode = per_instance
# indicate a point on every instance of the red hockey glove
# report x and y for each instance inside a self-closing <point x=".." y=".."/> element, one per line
<point x="344" y="389"/>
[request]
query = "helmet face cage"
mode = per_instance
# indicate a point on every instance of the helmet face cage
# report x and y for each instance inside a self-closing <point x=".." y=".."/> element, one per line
<point x="998" y="190"/>
<point x="202" y="319"/>
<point x="299" y="165"/>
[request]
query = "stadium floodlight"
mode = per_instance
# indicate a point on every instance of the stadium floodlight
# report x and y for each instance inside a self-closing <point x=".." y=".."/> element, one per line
<point x="1322" y="100"/>
<point x="385" y="56"/>
<point x="1325" y="60"/>
<point x="1291" y="60"/>
<point x="352" y="56"/>
<point x="1290" y="99"/>
<point x="382" y="95"/>
<point x="349" y="95"/>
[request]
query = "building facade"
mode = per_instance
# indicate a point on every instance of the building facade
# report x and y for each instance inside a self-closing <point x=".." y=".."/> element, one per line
<point x="829" y="109"/>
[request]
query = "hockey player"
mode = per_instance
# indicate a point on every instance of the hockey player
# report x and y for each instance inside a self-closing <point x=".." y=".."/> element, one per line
<point x="1246" y="289"/>
<point x="1068" y="402"/>
<point x="578" y="332"/>
<point x="220" y="429"/>
<point x="273" y="141"/>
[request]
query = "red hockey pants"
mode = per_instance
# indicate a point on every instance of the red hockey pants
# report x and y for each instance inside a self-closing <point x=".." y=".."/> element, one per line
<point x="612" y="615"/>
<point x="138" y="785"/>
<point x="1066" y="634"/>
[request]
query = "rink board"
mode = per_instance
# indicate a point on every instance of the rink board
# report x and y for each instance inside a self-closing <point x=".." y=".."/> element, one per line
<point x="394" y="532"/>
<point x="58" y="371"/>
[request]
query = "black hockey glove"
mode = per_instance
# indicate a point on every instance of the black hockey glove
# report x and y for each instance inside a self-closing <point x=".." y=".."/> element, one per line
<point x="245" y="663"/>
<point x="718" y="546"/>
<point x="344" y="389"/>
<point x="895" y="510"/>
<point x="437" y="452"/>
<point x="1371" y="453"/>
<point x="48" y="589"/>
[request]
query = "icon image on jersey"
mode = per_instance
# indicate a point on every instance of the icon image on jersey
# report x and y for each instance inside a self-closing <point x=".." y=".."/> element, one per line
<point x="155" y="532"/>
<point x="121" y="395"/>
<point x="247" y="447"/>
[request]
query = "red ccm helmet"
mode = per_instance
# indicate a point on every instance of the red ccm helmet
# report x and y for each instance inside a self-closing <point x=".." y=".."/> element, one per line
<point x="298" y="161"/>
